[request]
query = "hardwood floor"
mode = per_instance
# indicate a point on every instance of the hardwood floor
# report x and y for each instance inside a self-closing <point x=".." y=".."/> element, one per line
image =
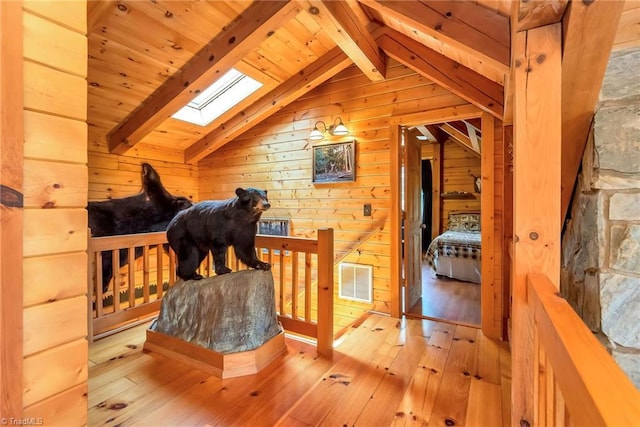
<point x="385" y="372"/>
<point x="448" y="299"/>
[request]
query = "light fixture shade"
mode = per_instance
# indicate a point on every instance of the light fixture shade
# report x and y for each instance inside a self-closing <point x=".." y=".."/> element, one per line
<point x="316" y="135"/>
<point x="340" y="130"/>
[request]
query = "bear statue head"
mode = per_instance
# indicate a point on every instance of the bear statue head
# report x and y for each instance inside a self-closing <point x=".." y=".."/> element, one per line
<point x="253" y="199"/>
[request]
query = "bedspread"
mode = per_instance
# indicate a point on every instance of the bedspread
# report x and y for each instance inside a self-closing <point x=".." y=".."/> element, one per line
<point x="457" y="244"/>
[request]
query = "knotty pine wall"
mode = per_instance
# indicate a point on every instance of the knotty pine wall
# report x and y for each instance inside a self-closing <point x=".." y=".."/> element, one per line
<point x="112" y="176"/>
<point x="55" y="220"/>
<point x="277" y="156"/>
<point x="458" y="166"/>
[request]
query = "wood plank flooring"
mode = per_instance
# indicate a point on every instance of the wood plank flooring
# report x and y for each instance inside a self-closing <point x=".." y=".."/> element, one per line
<point x="448" y="299"/>
<point x="387" y="371"/>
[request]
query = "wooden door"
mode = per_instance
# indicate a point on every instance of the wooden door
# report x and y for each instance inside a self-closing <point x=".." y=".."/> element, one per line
<point x="412" y="160"/>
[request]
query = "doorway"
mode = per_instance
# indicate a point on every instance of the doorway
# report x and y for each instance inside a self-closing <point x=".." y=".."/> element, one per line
<point x="446" y="293"/>
<point x="403" y="288"/>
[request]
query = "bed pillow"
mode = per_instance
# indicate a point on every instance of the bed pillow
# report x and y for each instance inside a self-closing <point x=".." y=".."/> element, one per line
<point x="467" y="221"/>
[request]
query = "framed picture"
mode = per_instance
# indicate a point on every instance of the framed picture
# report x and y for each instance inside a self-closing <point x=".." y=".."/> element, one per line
<point x="334" y="162"/>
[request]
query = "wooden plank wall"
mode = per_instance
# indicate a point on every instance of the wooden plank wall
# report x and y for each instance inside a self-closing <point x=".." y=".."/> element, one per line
<point x="113" y="176"/>
<point x="55" y="221"/>
<point x="458" y="166"/>
<point x="276" y="155"/>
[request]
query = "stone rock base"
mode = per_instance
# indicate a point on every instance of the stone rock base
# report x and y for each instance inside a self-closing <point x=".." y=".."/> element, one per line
<point x="226" y="325"/>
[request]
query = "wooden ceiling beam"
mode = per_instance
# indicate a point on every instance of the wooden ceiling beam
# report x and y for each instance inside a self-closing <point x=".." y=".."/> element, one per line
<point x="459" y="138"/>
<point x="526" y="15"/>
<point x="472" y="28"/>
<point x="460" y="80"/>
<point x="533" y="14"/>
<point x="348" y="32"/>
<point x="589" y="30"/>
<point x="252" y="27"/>
<point x="312" y="76"/>
<point x="424" y="130"/>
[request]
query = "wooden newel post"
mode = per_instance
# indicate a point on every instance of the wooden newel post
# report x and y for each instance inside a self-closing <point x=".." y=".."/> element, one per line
<point x="325" y="292"/>
<point x="90" y="285"/>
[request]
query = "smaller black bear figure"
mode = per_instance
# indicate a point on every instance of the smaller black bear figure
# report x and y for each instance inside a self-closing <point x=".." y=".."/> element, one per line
<point x="146" y="212"/>
<point x="214" y="225"/>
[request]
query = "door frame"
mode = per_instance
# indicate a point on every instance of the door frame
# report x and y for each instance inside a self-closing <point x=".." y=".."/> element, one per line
<point x="491" y="323"/>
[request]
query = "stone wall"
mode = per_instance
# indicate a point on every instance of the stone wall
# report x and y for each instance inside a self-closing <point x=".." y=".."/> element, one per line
<point x="601" y="243"/>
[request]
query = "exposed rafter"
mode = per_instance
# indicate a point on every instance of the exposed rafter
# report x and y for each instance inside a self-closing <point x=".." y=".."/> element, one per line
<point x="589" y="29"/>
<point x="424" y="130"/>
<point x="460" y="80"/>
<point x="459" y="137"/>
<point x="344" y="28"/>
<point x="440" y="136"/>
<point x="312" y="76"/>
<point x="473" y="136"/>
<point x="254" y="26"/>
<point x="464" y="25"/>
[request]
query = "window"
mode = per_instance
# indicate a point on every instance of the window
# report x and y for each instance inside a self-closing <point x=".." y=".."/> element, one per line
<point x="218" y="98"/>
<point x="273" y="227"/>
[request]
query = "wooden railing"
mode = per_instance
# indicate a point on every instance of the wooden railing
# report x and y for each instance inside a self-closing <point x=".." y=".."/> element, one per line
<point x="108" y="313"/>
<point x="576" y="381"/>
<point x="302" y="271"/>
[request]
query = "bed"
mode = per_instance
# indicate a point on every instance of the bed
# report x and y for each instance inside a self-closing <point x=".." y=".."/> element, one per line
<point x="456" y="252"/>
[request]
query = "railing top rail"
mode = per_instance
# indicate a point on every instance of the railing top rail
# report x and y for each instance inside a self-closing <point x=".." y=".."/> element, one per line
<point x="287" y="243"/>
<point x="108" y="243"/>
<point x="596" y="390"/>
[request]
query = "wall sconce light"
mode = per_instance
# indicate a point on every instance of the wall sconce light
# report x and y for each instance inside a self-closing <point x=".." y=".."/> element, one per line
<point x="336" y="129"/>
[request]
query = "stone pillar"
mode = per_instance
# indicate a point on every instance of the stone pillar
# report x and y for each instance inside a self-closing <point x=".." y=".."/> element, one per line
<point x="601" y="244"/>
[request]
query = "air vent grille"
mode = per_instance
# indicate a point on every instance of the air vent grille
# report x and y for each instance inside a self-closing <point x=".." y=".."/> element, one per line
<point x="356" y="282"/>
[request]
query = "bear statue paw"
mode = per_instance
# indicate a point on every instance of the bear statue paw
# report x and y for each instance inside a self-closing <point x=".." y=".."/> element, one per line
<point x="263" y="266"/>
<point x="223" y="270"/>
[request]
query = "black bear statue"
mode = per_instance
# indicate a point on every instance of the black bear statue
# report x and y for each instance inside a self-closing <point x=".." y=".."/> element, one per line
<point x="214" y="225"/>
<point x="146" y="212"/>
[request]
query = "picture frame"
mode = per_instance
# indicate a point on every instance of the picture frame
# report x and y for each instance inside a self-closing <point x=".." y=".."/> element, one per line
<point x="334" y="162"/>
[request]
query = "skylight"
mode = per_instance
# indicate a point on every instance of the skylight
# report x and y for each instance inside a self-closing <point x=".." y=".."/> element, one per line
<point x="218" y="98"/>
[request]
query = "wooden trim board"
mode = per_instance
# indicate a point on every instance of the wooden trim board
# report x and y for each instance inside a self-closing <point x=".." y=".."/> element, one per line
<point x="221" y="365"/>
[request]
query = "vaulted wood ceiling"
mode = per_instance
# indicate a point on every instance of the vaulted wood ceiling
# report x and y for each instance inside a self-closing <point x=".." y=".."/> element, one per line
<point x="149" y="58"/>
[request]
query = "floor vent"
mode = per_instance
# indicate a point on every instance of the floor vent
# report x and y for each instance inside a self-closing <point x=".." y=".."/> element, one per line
<point x="356" y="282"/>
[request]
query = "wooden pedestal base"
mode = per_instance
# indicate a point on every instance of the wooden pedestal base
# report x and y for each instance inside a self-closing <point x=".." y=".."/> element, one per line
<point x="221" y="365"/>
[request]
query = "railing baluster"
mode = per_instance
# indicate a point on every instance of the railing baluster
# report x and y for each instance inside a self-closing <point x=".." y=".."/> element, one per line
<point x="307" y="287"/>
<point x="132" y="277"/>
<point x="97" y="257"/>
<point x="281" y="279"/>
<point x="172" y="268"/>
<point x="294" y="284"/>
<point x="115" y="269"/>
<point x="159" y="271"/>
<point x="145" y="274"/>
